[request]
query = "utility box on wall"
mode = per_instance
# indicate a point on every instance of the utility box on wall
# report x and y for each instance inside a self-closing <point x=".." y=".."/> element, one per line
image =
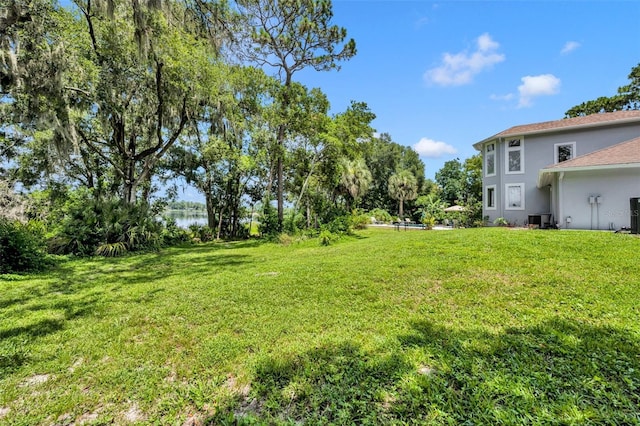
<point x="635" y="212"/>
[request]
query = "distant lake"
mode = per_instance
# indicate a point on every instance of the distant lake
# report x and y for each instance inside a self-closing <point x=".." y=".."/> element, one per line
<point x="184" y="218"/>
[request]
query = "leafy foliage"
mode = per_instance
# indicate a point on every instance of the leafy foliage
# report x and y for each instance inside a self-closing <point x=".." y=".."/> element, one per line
<point x="22" y="246"/>
<point x="403" y="186"/>
<point x="86" y="226"/>
<point x="627" y="98"/>
<point x="384" y="157"/>
<point x="381" y="215"/>
<point x="269" y="224"/>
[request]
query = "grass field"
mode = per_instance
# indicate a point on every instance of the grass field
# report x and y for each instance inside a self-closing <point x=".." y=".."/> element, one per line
<point x="470" y="326"/>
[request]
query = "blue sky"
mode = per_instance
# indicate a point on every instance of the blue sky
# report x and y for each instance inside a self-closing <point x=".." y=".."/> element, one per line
<point x="441" y="76"/>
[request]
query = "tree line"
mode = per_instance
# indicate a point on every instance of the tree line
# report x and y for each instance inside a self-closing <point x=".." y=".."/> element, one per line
<point x="104" y="101"/>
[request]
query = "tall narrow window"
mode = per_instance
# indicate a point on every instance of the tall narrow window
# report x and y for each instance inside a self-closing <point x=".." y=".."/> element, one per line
<point x="564" y="151"/>
<point x="514" y="158"/>
<point x="490" y="197"/>
<point x="490" y="159"/>
<point x="514" y="199"/>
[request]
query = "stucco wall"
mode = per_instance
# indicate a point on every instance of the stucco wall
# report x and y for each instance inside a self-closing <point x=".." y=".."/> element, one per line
<point x="615" y="187"/>
<point x="539" y="153"/>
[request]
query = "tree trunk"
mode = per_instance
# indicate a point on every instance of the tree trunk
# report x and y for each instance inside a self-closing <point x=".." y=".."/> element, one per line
<point x="211" y="210"/>
<point x="280" y="166"/>
<point x="281" y="137"/>
<point x="130" y="184"/>
<point x="401" y="208"/>
<point x="220" y="223"/>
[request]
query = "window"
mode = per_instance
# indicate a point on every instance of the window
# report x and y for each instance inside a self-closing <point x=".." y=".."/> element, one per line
<point x="514" y="158"/>
<point x="514" y="199"/>
<point x="490" y="159"/>
<point x="490" y="197"/>
<point x="564" y="151"/>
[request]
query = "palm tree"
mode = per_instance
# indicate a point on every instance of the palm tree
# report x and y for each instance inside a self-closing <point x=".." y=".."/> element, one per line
<point x="355" y="178"/>
<point x="403" y="185"/>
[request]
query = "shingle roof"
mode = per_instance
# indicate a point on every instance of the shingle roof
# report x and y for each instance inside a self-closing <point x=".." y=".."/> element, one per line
<point x="587" y="120"/>
<point x="593" y="120"/>
<point x="623" y="153"/>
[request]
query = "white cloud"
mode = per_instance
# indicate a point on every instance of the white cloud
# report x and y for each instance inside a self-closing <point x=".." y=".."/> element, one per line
<point x="537" y="85"/>
<point x="460" y="68"/>
<point x="421" y="22"/>
<point x="506" y="97"/>
<point x="433" y="149"/>
<point x="569" y="47"/>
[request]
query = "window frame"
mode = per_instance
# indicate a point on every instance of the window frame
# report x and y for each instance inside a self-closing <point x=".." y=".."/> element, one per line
<point x="495" y="193"/>
<point x="506" y="196"/>
<point x="556" y="148"/>
<point x="508" y="149"/>
<point x="487" y="154"/>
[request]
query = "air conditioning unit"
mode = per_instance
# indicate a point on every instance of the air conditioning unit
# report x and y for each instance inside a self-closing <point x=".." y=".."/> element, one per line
<point x="635" y="212"/>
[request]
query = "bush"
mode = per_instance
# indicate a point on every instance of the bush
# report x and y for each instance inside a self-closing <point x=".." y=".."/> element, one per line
<point x="201" y="233"/>
<point x="22" y="247"/>
<point x="381" y="215"/>
<point x="269" y="226"/>
<point x="327" y="237"/>
<point x="428" y="221"/>
<point x="173" y="234"/>
<point x="501" y="221"/>
<point x="86" y="226"/>
<point x="293" y="223"/>
<point x="339" y="225"/>
<point x="360" y="221"/>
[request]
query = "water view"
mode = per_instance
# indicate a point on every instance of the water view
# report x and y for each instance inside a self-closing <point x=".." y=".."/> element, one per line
<point x="184" y="218"/>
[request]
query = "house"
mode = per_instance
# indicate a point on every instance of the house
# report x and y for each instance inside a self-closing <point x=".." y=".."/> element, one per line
<point x="581" y="173"/>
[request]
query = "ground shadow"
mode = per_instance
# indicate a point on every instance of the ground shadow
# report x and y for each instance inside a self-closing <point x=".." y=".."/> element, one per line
<point x="331" y="384"/>
<point x="556" y="372"/>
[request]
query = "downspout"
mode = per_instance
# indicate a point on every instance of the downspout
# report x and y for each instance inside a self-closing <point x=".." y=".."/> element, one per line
<point x="560" y="209"/>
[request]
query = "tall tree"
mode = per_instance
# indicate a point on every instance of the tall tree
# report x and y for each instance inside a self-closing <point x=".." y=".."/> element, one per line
<point x="383" y="157"/>
<point x="472" y="169"/>
<point x="403" y="186"/>
<point x="218" y="153"/>
<point x="627" y="98"/>
<point x="451" y="180"/>
<point x="290" y="35"/>
<point x="119" y="91"/>
<point x="355" y="179"/>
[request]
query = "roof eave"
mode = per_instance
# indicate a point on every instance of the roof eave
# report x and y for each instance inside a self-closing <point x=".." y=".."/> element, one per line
<point x="478" y="145"/>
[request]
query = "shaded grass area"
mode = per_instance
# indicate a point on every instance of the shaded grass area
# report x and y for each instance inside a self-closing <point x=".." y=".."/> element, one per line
<point x="477" y="326"/>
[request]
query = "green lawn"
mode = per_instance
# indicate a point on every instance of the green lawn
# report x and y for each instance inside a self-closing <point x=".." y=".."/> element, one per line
<point x="471" y="326"/>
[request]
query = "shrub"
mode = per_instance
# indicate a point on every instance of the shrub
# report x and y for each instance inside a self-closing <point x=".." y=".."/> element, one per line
<point x="360" y="221"/>
<point x="201" y="233"/>
<point x="326" y="237"/>
<point x="86" y="226"/>
<point x="381" y="215"/>
<point x="501" y="221"/>
<point x="293" y="223"/>
<point x="429" y="221"/>
<point x="269" y="226"/>
<point x="22" y="246"/>
<point x="339" y="225"/>
<point x="173" y="234"/>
